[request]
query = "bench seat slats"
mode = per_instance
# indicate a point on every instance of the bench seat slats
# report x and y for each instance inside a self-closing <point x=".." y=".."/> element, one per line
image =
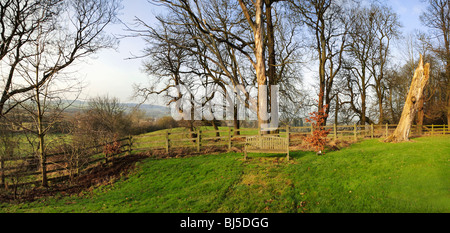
<point x="267" y="144"/>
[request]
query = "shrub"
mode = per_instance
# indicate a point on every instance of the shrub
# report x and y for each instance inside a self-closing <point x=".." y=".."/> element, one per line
<point x="318" y="139"/>
<point x="103" y="118"/>
<point x="166" y="122"/>
<point x="112" y="148"/>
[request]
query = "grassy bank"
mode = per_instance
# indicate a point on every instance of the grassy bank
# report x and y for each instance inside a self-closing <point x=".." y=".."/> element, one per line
<point x="370" y="176"/>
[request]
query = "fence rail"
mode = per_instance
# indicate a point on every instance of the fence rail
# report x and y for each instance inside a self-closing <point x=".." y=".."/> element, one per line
<point x="199" y="139"/>
<point x="19" y="171"/>
<point x="26" y="170"/>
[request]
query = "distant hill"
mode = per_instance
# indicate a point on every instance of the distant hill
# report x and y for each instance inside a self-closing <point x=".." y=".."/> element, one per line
<point x="153" y="111"/>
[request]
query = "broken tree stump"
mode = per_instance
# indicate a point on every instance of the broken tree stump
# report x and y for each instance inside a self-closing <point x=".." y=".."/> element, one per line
<point x="419" y="81"/>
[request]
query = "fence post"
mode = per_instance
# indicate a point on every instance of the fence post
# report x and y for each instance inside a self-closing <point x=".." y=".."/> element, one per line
<point x="106" y="154"/>
<point x="167" y="141"/>
<point x="387" y="129"/>
<point x="312" y="129"/>
<point x="77" y="164"/>
<point x="335" y="131"/>
<point x="229" y="138"/>
<point x="199" y="137"/>
<point x="371" y="130"/>
<point x="2" y="164"/>
<point x="354" y="131"/>
<point x="288" y="135"/>
<point x="130" y="144"/>
<point x="443" y="130"/>
<point x="432" y="129"/>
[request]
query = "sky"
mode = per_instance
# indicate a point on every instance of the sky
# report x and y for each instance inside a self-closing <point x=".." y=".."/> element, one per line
<point x="112" y="73"/>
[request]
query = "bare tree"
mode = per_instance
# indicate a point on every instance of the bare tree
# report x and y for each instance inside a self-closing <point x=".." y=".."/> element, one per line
<point x="386" y="30"/>
<point x="76" y="28"/>
<point x="54" y="35"/>
<point x="190" y="41"/>
<point x="46" y="101"/>
<point x="256" y="23"/>
<point x="437" y="18"/>
<point x="104" y="118"/>
<point x="19" y="22"/>
<point x="396" y="83"/>
<point x="364" y="57"/>
<point x="329" y="24"/>
<point x="218" y="37"/>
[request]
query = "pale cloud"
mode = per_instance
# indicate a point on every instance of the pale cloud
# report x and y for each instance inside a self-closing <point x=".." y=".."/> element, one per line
<point x="418" y="9"/>
<point x="399" y="6"/>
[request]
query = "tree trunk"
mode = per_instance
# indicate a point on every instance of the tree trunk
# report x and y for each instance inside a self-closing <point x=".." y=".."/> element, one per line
<point x="40" y="132"/>
<point x="260" y="64"/>
<point x="420" y="115"/>
<point x="391" y="105"/>
<point x="363" y="108"/>
<point x="192" y="118"/>
<point x="271" y="70"/>
<point x="336" y="110"/>
<point x="448" y="108"/>
<point x="448" y="101"/>
<point x="236" y="122"/>
<point x="216" y="128"/>
<point x="380" y="109"/>
<point x="41" y="151"/>
<point x="419" y="81"/>
<point x="260" y="67"/>
<point x="321" y="86"/>
<point x="43" y="158"/>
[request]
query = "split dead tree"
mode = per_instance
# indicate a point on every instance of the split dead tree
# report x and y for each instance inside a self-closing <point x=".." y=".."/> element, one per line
<point x="419" y="82"/>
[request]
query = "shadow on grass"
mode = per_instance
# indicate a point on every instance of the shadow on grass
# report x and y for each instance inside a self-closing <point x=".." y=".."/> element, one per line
<point x="300" y="154"/>
<point x="292" y="155"/>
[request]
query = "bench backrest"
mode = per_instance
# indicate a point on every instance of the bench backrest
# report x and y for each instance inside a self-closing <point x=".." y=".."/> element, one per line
<point x="267" y="144"/>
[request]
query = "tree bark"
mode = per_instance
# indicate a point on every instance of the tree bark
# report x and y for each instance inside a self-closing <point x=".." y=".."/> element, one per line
<point x="420" y="115"/>
<point x="271" y="69"/>
<point x="391" y="105"/>
<point x="448" y="108"/>
<point x="419" y="81"/>
<point x="380" y="109"/>
<point x="215" y="127"/>
<point x="363" y="107"/>
<point x="336" y="111"/>
<point x="260" y="66"/>
<point x="236" y="123"/>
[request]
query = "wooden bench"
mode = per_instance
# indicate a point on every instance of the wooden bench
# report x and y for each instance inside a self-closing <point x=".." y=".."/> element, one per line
<point x="267" y="144"/>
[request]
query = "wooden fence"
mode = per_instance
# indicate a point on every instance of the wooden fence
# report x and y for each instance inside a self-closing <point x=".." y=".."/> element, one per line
<point x="19" y="171"/>
<point x="199" y="139"/>
<point x="196" y="140"/>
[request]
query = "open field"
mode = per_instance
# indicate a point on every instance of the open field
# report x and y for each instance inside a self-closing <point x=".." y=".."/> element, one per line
<point x="369" y="176"/>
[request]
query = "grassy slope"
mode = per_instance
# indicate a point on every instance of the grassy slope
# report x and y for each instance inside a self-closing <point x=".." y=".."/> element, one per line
<point x="367" y="177"/>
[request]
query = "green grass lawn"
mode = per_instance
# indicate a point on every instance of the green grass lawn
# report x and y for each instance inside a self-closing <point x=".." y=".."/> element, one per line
<point x="370" y="176"/>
